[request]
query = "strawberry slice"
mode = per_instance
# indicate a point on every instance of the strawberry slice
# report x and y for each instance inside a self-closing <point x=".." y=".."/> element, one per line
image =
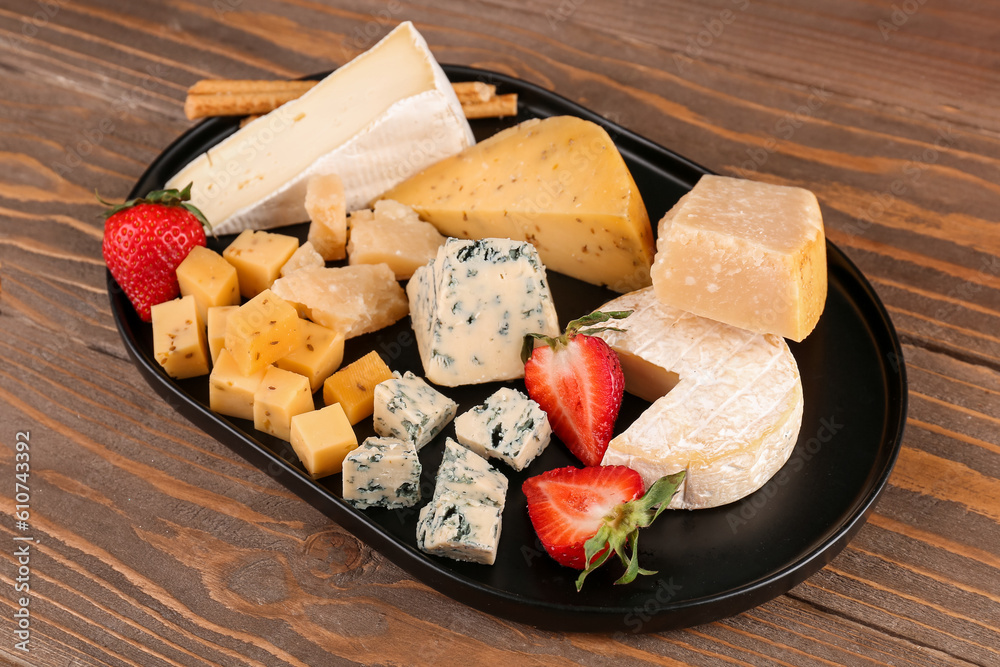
<point x="583" y="515"/>
<point x="577" y="380"/>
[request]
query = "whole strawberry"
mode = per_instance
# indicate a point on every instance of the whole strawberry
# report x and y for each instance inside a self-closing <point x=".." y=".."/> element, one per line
<point x="577" y="380"/>
<point x="144" y="241"/>
<point x="583" y="515"/>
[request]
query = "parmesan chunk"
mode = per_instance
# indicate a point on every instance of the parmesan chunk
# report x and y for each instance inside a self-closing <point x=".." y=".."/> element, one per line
<point x="394" y="235"/>
<point x="749" y="254"/>
<point x="325" y="204"/>
<point x="350" y="299"/>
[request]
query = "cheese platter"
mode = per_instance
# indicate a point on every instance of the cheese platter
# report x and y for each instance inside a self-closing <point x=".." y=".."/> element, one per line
<point x="710" y="563"/>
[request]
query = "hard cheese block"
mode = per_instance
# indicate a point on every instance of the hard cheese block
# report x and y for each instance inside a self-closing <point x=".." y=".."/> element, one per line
<point x="745" y="253"/>
<point x="558" y="183"/>
<point x="393" y="235"/>
<point x="509" y="426"/>
<point x="733" y="410"/>
<point x="349" y="299"/>
<point x="472" y="306"/>
<point x="383" y="116"/>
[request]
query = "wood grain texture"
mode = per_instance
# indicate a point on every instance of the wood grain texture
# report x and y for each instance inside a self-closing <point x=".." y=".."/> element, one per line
<point x="159" y="546"/>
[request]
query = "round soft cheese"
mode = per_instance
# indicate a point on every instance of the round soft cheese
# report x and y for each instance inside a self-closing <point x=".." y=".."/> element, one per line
<point x="726" y="402"/>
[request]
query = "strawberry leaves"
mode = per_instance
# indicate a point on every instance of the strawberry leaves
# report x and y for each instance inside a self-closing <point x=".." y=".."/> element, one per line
<point x="619" y="533"/>
<point x="575" y="327"/>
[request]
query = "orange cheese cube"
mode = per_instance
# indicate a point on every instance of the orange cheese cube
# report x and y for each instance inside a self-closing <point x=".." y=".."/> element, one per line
<point x="353" y="386"/>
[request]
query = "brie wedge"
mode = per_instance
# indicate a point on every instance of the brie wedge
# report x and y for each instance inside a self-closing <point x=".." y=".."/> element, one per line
<point x="727" y="403"/>
<point x="377" y="120"/>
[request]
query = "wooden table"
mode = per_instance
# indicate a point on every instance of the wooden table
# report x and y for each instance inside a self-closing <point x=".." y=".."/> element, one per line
<point x="158" y="545"/>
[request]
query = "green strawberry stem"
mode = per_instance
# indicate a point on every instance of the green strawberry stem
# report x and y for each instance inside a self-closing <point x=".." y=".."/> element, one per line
<point x="572" y="329"/>
<point x="170" y="197"/>
<point x="620" y="531"/>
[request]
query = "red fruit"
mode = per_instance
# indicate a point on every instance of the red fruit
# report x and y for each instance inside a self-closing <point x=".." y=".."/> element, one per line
<point x="144" y="241"/>
<point x="577" y="380"/>
<point x="583" y="515"/>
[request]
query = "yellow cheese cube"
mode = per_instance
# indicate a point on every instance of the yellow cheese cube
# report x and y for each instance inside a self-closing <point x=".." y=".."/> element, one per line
<point x="750" y="254"/>
<point x="318" y="355"/>
<point x="394" y="235"/>
<point x="322" y="438"/>
<point x="263" y="330"/>
<point x="326" y="206"/>
<point x="353" y="386"/>
<point x="280" y="396"/>
<point x="229" y="391"/>
<point x="258" y="258"/>
<point x="179" y="338"/>
<point x="217" y="318"/>
<point x="210" y="279"/>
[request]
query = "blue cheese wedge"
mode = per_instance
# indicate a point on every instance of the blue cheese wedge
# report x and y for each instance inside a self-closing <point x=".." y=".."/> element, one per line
<point x="463" y="519"/>
<point x="462" y="532"/>
<point x="408" y="408"/>
<point x="382" y="472"/>
<point x="509" y="426"/>
<point x="472" y="306"/>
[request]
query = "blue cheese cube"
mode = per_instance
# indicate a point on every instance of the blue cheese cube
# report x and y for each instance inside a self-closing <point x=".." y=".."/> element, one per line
<point x="509" y="426"/>
<point x="407" y="408"/>
<point x="472" y="306"/>
<point x="469" y="478"/>
<point x="383" y="472"/>
<point x="463" y="532"/>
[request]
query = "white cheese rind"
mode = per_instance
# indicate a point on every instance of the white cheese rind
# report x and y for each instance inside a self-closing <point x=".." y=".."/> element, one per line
<point x="472" y="306"/>
<point x="509" y="426"/>
<point x="375" y="121"/>
<point x="407" y="408"/>
<point x="382" y="472"/>
<point x="733" y="417"/>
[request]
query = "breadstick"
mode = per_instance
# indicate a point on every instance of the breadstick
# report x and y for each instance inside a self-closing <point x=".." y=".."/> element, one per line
<point x="474" y="91"/>
<point x="231" y="86"/>
<point x="498" y="107"/>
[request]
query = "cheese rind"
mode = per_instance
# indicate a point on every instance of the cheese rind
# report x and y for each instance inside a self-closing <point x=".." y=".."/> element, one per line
<point x="732" y="419"/>
<point x="558" y="183"/>
<point x="746" y="253"/>
<point x="472" y="306"/>
<point x="407" y="408"/>
<point x="385" y="115"/>
<point x="509" y="426"/>
<point x="382" y="472"/>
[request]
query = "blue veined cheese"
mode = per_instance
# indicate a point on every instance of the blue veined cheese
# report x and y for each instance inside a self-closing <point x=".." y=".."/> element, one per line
<point x="472" y="306"/>
<point x="466" y="477"/>
<point x="509" y="426"/>
<point x="460" y="531"/>
<point x="383" y="472"/>
<point x="407" y="408"/>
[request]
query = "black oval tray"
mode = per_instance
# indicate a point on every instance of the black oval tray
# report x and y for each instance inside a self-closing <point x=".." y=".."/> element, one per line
<point x="712" y="563"/>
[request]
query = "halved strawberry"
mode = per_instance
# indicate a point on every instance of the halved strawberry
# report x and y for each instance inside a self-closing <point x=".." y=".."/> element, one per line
<point x="583" y="515"/>
<point x="577" y="380"/>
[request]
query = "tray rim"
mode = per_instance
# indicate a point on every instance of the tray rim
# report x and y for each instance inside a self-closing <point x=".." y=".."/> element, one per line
<point x="435" y="572"/>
